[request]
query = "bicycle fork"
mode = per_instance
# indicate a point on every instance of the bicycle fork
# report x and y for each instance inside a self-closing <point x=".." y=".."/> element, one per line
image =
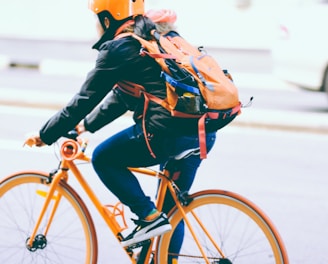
<point x="39" y="241"/>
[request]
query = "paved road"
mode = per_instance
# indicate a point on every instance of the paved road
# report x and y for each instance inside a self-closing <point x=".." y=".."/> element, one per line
<point x="25" y="52"/>
<point x="263" y="170"/>
<point x="284" y="173"/>
<point x="264" y="113"/>
<point x="76" y="59"/>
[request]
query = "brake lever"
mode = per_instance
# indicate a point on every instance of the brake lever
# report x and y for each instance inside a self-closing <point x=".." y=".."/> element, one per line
<point x="72" y="134"/>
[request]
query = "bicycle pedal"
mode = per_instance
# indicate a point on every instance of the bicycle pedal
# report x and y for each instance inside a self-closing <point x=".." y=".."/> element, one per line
<point x="139" y="244"/>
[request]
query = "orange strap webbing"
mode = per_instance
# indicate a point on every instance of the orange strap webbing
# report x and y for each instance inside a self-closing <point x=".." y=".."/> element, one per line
<point x="201" y="122"/>
<point x="201" y="126"/>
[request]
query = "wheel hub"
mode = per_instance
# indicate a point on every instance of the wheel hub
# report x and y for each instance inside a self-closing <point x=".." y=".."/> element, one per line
<point x="40" y="242"/>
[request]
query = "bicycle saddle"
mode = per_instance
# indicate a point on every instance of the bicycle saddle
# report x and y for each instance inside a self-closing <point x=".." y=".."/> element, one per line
<point x="187" y="153"/>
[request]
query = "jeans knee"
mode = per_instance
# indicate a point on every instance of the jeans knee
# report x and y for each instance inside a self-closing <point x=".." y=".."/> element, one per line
<point x="97" y="160"/>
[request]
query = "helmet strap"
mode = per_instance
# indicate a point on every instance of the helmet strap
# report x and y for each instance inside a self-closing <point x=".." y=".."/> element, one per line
<point x="124" y="26"/>
<point x="102" y="17"/>
<point x="110" y="32"/>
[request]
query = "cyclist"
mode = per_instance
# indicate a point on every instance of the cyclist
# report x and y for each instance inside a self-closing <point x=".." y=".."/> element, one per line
<point x="119" y="60"/>
<point x="118" y="102"/>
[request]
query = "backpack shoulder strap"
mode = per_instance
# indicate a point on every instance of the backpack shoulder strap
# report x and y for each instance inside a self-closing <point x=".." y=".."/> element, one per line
<point x="152" y="49"/>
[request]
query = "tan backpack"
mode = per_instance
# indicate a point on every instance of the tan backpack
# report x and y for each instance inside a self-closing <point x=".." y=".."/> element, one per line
<point x="196" y="85"/>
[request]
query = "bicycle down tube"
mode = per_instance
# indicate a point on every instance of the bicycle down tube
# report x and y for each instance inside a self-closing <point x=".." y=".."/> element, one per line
<point x="62" y="174"/>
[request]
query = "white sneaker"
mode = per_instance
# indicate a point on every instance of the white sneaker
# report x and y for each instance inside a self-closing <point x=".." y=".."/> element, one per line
<point x="147" y="229"/>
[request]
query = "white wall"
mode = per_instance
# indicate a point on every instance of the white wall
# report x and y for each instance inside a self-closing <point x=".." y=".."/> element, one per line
<point x="45" y="19"/>
<point x="205" y="22"/>
<point x="221" y="23"/>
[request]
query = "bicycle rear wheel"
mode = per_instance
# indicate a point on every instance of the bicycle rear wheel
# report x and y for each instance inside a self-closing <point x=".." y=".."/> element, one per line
<point x="71" y="237"/>
<point x="242" y="231"/>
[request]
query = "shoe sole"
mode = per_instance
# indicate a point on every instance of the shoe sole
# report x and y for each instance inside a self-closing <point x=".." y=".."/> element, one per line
<point x="153" y="233"/>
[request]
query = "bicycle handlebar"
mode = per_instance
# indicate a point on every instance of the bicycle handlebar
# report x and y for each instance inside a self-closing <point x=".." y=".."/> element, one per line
<point x="72" y="134"/>
<point x="73" y="147"/>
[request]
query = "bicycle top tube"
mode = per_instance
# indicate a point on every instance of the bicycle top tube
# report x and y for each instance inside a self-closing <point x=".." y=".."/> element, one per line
<point x="73" y="147"/>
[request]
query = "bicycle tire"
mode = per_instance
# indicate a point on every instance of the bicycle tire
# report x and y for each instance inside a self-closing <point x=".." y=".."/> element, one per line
<point x="67" y="240"/>
<point x="243" y="232"/>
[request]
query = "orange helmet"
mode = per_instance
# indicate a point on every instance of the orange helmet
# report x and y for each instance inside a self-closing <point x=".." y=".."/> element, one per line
<point x="162" y="16"/>
<point x="119" y="9"/>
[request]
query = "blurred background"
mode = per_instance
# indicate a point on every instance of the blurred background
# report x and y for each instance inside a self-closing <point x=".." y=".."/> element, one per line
<point x="233" y="23"/>
<point x="275" y="153"/>
<point x="291" y="33"/>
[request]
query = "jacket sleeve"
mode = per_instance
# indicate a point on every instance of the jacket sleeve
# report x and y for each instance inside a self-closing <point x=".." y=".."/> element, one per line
<point x="94" y="89"/>
<point x="116" y="104"/>
<point x="117" y="60"/>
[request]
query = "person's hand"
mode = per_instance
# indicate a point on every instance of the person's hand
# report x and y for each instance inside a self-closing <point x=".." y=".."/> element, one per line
<point x="80" y="128"/>
<point x="34" y="140"/>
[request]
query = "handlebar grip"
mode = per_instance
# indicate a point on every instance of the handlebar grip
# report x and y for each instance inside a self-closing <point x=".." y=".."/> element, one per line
<point x="72" y="134"/>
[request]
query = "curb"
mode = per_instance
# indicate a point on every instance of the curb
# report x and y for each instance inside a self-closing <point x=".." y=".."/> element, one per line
<point x="80" y="68"/>
<point x="6" y="62"/>
<point x="50" y="66"/>
<point x="284" y="120"/>
<point x="251" y="117"/>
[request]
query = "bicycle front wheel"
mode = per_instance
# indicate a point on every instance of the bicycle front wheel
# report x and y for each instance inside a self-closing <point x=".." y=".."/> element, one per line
<point x="241" y="231"/>
<point x="70" y="237"/>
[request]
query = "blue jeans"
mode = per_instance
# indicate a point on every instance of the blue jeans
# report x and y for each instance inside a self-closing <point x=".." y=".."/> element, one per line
<point x="128" y="149"/>
<point x="187" y="168"/>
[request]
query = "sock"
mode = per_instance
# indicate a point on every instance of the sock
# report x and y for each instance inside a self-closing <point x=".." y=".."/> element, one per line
<point x="174" y="261"/>
<point x="152" y="215"/>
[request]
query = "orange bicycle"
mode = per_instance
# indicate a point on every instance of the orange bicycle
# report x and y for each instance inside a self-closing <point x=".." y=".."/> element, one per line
<point x="220" y="226"/>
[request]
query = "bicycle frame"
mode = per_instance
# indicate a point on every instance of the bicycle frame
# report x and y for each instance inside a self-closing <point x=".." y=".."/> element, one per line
<point x="74" y="150"/>
<point x="47" y="201"/>
<point x="71" y="151"/>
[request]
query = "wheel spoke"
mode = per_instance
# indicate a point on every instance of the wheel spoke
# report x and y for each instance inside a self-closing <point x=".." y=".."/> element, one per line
<point x="71" y="235"/>
<point x="243" y="233"/>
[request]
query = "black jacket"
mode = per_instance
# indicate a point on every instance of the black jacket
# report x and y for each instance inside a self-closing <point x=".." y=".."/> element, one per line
<point x="117" y="60"/>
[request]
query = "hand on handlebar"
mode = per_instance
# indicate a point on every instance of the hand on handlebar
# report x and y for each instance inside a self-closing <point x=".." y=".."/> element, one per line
<point x="34" y="140"/>
<point x="80" y="128"/>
